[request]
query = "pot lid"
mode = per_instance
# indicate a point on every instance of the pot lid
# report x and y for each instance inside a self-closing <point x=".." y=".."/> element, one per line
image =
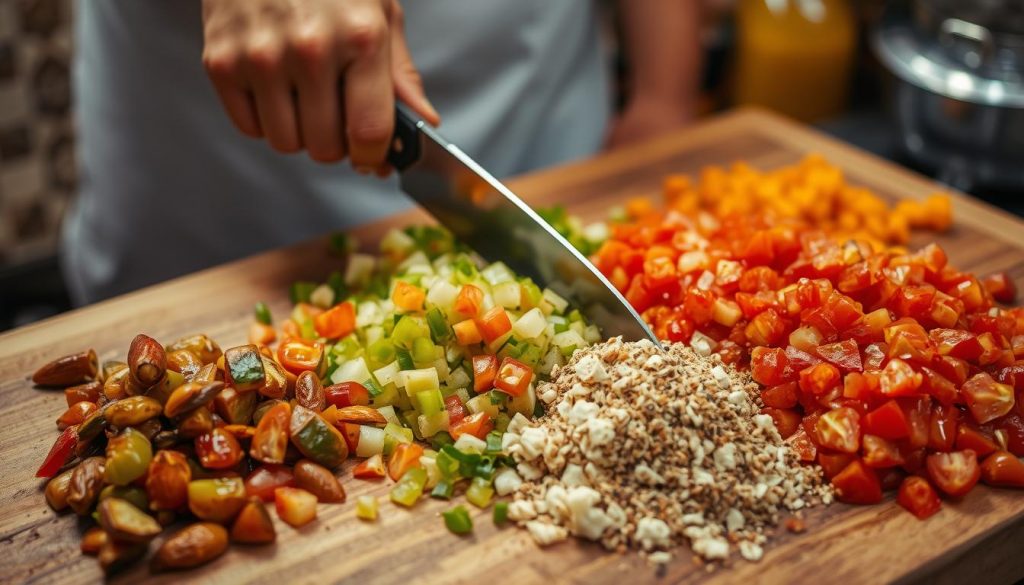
<point x="901" y="49"/>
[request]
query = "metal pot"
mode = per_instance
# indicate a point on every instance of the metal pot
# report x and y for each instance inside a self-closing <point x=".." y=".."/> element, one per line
<point x="959" y="99"/>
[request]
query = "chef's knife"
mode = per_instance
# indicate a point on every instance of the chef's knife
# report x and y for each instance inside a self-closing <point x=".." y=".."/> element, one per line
<point x="484" y="214"/>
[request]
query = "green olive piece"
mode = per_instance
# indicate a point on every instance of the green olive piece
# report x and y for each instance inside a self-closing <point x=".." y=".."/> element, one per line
<point x="128" y="457"/>
<point x="243" y="368"/>
<point x="317" y="439"/>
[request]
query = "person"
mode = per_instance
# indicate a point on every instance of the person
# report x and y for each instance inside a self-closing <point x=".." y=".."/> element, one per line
<point x="169" y="187"/>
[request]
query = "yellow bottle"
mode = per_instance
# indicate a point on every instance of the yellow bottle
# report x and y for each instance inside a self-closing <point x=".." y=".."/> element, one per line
<point x="795" y="56"/>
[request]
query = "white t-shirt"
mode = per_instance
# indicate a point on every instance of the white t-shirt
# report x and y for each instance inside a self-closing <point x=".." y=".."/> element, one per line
<point x="168" y="186"/>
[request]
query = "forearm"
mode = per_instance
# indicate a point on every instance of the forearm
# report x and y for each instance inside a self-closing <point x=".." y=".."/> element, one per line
<point x="662" y="46"/>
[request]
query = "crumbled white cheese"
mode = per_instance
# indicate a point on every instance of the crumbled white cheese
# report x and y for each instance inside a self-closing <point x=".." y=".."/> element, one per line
<point x="507" y="481"/>
<point x="601" y="431"/>
<point x="721" y="377"/>
<point x="647" y="476"/>
<point x="573" y="476"/>
<point x="590" y="369"/>
<point x="532" y="441"/>
<point x="652" y="533"/>
<point x="725" y="456"/>
<point x="546" y="534"/>
<point x="467" y="443"/>
<point x="521" y="510"/>
<point x="750" y="550"/>
<point x="711" y="548"/>
<point x="734" y="520"/>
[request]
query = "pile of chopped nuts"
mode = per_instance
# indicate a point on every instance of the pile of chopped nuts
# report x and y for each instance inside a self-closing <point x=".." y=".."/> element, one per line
<point x="643" y="448"/>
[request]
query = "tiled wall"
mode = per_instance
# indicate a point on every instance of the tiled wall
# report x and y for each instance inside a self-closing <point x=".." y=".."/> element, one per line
<point x="37" y="170"/>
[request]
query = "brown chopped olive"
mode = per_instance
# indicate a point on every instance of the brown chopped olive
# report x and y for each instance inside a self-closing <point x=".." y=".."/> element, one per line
<point x="125" y="522"/>
<point x="236" y="407"/>
<point x="75" y="414"/>
<point x="92" y="425"/>
<point x="161" y="391"/>
<point x="205" y="348"/>
<point x="132" y="411"/>
<point x="93" y="540"/>
<point x="309" y="392"/>
<point x="166" y="439"/>
<point x="253" y="524"/>
<point x="87" y="392"/>
<point x="147" y="360"/>
<point x="243" y="368"/>
<point x="276" y="382"/>
<point x="191" y="546"/>
<point x="77" y="368"/>
<point x="134" y="495"/>
<point x="185" y="362"/>
<point x="85" y="485"/>
<point x="190" y="396"/>
<point x="319" y="481"/>
<point x="57" y="490"/>
<point x="114" y="385"/>
<point x="115" y="555"/>
<point x="167" y="480"/>
<point x="111" y="367"/>
<point x="208" y="373"/>
<point x="195" y="423"/>
<point x="149" y="428"/>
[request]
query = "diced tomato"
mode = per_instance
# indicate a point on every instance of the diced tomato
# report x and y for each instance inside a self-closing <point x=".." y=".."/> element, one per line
<point x="485" y="368"/>
<point x="298" y="356"/>
<point x="875" y="355"/>
<point x="786" y="421"/>
<point x="266" y="478"/>
<point x="370" y="468"/>
<point x="336" y="322"/>
<point x="769" y="366"/>
<point x="832" y="463"/>
<point x="899" y="379"/>
<point x="819" y="379"/>
<point x="956" y="343"/>
<point x="347" y="394"/>
<point x="942" y="428"/>
<point x="513" y="377"/>
<point x="987" y="399"/>
<point x="857" y="484"/>
<point x="59" y="453"/>
<point x="494" y="323"/>
<point x="918" y="497"/>
<point x="699" y="306"/>
<point x="887" y="421"/>
<point x="478" y="425"/>
<point x="953" y="369"/>
<point x="918" y="413"/>
<point x="1012" y="428"/>
<point x="953" y="473"/>
<point x="781" y="396"/>
<point x="1001" y="287"/>
<point x="913" y="458"/>
<point x="844" y="354"/>
<point x="455" y="408"/>
<point x="802" y="445"/>
<point x="659" y="272"/>
<point x="969" y="437"/>
<point x="468" y="301"/>
<point x="1003" y="469"/>
<point x="404" y="457"/>
<point x="939" y="387"/>
<point x="767" y="328"/>
<point x="879" y="452"/>
<point x="839" y="430"/>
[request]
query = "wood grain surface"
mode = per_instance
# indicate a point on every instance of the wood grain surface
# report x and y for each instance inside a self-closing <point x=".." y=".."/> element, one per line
<point x="975" y="539"/>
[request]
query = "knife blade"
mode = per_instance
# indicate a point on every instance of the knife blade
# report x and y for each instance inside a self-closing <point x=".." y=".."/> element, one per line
<point x="484" y="214"/>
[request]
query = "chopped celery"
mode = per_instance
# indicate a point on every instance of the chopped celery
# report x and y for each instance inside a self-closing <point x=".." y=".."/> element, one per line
<point x="301" y="291"/>
<point x="443" y="490"/>
<point x="354" y="370"/>
<point x="457" y="520"/>
<point x="507" y="294"/>
<point x="407" y="330"/>
<point x="428" y="402"/>
<point x="371" y="441"/>
<point x="422" y="350"/>
<point x="447" y="465"/>
<point x="381" y="352"/>
<point x="389" y="414"/>
<point x="322" y="296"/>
<point x="500" y="515"/>
<point x="482" y="403"/>
<point x="531" y="293"/>
<point x="420" y="380"/>
<point x="263" y="313"/>
<point x="493" y="442"/>
<point x="404" y="360"/>
<point x="387" y="397"/>
<point x="440" y="440"/>
<point x="467" y="461"/>
<point x="438" y="324"/>
<point x="556" y="301"/>
<point x="431" y="424"/>
<point x="366" y="508"/>
<point x="497" y="397"/>
<point x="501" y="422"/>
<point x="480" y="492"/>
<point x="373" y="387"/>
<point x="410" y="487"/>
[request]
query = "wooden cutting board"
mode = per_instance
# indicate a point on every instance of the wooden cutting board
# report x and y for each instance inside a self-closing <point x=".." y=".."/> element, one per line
<point x="977" y="537"/>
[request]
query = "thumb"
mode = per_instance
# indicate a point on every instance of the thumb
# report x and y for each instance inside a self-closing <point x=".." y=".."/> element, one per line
<point x="407" y="81"/>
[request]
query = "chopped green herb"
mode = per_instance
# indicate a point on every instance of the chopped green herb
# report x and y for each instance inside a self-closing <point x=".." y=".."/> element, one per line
<point x="263" y="313"/>
<point x="500" y="513"/>
<point x="457" y="520"/>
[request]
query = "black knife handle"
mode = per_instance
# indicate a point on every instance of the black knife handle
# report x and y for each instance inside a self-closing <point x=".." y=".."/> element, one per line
<point x="405" y="144"/>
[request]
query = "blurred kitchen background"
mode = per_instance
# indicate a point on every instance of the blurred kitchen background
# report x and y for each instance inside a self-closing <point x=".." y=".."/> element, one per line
<point x="935" y="85"/>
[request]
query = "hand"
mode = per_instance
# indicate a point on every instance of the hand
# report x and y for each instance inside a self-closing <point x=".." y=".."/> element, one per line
<point x="319" y="75"/>
<point x="646" y="118"/>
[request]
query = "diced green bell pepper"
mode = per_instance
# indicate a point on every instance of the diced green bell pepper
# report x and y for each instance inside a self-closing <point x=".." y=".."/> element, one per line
<point x="457" y="520"/>
<point x="128" y="457"/>
<point x="480" y="492"/>
<point x="410" y="487"/>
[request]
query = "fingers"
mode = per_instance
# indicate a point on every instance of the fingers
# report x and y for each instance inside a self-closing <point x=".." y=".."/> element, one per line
<point x="272" y="91"/>
<point x="314" y="67"/>
<point x="407" y="80"/>
<point x="368" y="90"/>
<point x="237" y="101"/>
